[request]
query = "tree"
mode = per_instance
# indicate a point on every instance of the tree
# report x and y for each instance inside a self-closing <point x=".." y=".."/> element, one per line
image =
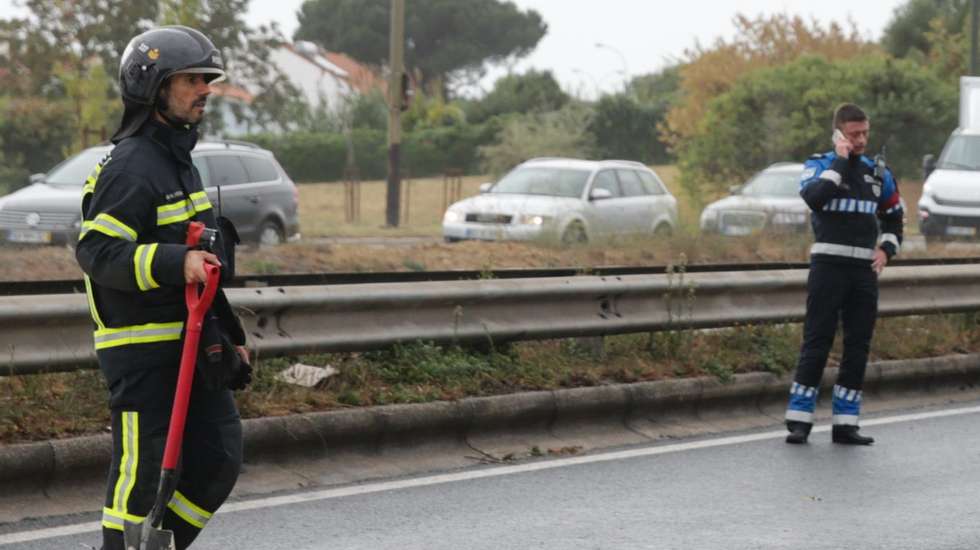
<point x="446" y="40"/>
<point x="759" y="43"/>
<point x="627" y="129"/>
<point x="784" y="113"/>
<point x="533" y="91"/>
<point x="558" y="133"/>
<point x="907" y="32"/>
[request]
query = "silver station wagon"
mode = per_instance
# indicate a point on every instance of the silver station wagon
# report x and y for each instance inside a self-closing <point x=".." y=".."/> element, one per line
<point x="255" y="194"/>
<point x="770" y="201"/>
<point x="567" y="200"/>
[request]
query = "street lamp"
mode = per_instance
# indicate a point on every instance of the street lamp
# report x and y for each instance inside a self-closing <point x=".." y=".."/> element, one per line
<point x="626" y="71"/>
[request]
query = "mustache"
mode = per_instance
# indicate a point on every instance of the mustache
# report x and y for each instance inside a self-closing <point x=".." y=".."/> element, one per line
<point x="201" y="101"/>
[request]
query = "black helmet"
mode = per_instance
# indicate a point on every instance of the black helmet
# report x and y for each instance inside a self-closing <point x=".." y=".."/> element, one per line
<point x="152" y="57"/>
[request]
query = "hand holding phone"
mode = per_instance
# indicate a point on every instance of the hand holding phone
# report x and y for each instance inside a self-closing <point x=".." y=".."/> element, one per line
<point x="842" y="145"/>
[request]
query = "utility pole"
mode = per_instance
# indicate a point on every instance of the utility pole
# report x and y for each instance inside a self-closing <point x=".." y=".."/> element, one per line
<point x="973" y="37"/>
<point x="396" y="67"/>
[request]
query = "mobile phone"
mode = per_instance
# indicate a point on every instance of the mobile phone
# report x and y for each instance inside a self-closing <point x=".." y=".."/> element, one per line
<point x="838" y="136"/>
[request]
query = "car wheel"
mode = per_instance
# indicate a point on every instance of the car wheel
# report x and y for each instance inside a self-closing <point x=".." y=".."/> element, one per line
<point x="574" y="235"/>
<point x="451" y="240"/>
<point x="270" y="234"/>
<point x="663" y="230"/>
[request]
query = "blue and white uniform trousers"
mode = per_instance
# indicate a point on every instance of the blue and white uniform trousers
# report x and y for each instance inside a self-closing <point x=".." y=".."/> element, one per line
<point x="803" y="401"/>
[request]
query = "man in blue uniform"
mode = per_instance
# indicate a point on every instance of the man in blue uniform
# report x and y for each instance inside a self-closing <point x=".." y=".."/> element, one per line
<point x="136" y="207"/>
<point x="857" y="223"/>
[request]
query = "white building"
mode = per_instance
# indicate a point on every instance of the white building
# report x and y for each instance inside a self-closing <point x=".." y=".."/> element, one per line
<point x="323" y="83"/>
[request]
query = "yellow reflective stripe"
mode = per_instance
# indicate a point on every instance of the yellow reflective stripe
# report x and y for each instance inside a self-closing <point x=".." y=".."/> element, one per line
<point x="190" y="512"/>
<point x="175" y="212"/>
<point x="142" y="266"/>
<point x="129" y="461"/>
<point x="109" y="225"/>
<point x="200" y="201"/>
<point x="137" y="334"/>
<point x="89" y="186"/>
<point x="90" y="294"/>
<point x="114" y="519"/>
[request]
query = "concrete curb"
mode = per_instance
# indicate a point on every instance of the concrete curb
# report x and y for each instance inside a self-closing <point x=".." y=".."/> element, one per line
<point x="375" y="429"/>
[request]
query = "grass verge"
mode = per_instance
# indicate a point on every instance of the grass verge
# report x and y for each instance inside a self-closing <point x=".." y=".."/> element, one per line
<point x="61" y="405"/>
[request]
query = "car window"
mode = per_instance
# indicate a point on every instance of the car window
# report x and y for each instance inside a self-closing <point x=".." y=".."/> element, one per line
<point x="539" y="180"/>
<point x="630" y="183"/>
<point x="773" y="183"/>
<point x="227" y="170"/>
<point x="607" y="180"/>
<point x="652" y="183"/>
<point x="259" y="169"/>
<point x="202" y="168"/>
<point x="75" y="170"/>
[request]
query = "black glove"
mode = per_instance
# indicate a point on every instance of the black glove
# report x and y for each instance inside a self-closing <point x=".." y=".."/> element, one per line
<point x="219" y="364"/>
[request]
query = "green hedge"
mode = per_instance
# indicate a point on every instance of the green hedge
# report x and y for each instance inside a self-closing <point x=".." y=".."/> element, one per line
<point x="313" y="157"/>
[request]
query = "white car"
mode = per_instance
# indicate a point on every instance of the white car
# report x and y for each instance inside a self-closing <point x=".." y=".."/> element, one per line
<point x="770" y="201"/>
<point x="567" y="200"/>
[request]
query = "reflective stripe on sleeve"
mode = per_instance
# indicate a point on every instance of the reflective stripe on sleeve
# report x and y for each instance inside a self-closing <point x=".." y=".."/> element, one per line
<point x="108" y="225"/>
<point x="137" y="334"/>
<point x="142" y="266"/>
<point x="832" y="175"/>
<point x="890" y="238"/>
<point x="188" y="511"/>
<point x="200" y="201"/>
<point x="175" y="212"/>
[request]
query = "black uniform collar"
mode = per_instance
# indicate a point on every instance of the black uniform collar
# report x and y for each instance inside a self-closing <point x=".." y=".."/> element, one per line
<point x="178" y="141"/>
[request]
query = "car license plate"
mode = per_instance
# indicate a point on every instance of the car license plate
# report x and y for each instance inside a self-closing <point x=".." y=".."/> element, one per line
<point x="481" y="233"/>
<point x="736" y="230"/>
<point x="28" y="236"/>
<point x="959" y="231"/>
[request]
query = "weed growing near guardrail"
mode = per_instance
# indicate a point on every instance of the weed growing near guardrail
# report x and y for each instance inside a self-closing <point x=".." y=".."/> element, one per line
<point x="58" y="405"/>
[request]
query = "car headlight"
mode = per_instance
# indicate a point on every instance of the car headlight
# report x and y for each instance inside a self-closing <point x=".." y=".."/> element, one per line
<point x="789" y="218"/>
<point x="927" y="193"/>
<point x="709" y="217"/>
<point x="533" y="219"/>
<point x="452" y="216"/>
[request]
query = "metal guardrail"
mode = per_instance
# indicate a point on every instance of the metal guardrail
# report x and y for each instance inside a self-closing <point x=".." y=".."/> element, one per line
<point x="69" y="286"/>
<point x="45" y="333"/>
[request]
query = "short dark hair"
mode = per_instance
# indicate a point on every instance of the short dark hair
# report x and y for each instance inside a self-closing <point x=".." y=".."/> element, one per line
<point x="848" y="112"/>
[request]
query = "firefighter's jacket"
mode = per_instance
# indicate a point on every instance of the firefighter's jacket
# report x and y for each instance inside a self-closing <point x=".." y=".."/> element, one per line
<point x="136" y="205"/>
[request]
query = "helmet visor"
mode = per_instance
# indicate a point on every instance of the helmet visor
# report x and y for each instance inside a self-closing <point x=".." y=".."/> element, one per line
<point x="212" y="74"/>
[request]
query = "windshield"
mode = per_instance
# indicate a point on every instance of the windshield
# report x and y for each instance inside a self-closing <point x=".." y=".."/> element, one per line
<point x="773" y="184"/>
<point x="559" y="182"/>
<point x="75" y="170"/>
<point x="961" y="153"/>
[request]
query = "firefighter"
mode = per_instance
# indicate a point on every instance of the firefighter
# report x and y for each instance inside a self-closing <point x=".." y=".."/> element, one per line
<point x="136" y="206"/>
<point x="857" y="223"/>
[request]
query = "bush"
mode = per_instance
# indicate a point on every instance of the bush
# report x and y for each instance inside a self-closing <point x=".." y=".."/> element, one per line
<point x="784" y="113"/>
<point x="559" y="133"/>
<point x="626" y="129"/>
<point x="322" y="156"/>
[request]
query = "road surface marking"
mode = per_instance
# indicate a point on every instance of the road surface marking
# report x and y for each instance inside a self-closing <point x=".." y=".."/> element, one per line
<point x="368" y="488"/>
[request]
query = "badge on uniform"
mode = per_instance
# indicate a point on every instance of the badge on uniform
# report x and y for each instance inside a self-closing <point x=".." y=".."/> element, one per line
<point x="875" y="184"/>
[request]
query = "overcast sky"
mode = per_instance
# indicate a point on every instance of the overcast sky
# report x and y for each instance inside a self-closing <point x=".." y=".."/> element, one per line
<point x="639" y="36"/>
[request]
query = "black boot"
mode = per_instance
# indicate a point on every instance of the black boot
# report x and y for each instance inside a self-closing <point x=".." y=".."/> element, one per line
<point x="798" y="431"/>
<point x="848" y="435"/>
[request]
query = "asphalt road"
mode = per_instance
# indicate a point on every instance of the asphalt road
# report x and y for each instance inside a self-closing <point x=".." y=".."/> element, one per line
<point x="917" y="488"/>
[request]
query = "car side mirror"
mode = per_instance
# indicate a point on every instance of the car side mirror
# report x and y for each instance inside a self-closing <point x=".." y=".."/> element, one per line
<point x="600" y="194"/>
<point x="485" y="187"/>
<point x="928" y="166"/>
<point x="37" y="178"/>
<point x="735" y="190"/>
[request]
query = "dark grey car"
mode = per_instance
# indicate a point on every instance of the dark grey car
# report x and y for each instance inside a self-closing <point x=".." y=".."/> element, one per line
<point x="243" y="180"/>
